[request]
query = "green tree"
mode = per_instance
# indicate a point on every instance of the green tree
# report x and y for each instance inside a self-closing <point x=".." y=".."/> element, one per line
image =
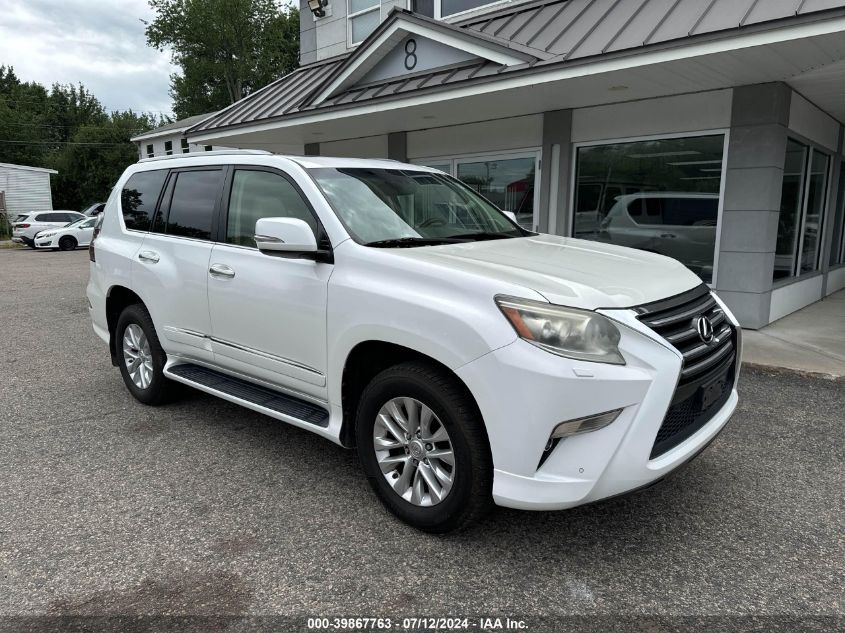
<point x="66" y="128"/>
<point x="225" y="48"/>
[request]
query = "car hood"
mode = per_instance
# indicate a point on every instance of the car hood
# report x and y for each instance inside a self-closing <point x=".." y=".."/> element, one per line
<point x="566" y="271"/>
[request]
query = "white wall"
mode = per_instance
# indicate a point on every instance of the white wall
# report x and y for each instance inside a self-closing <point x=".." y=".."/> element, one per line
<point x="488" y="136"/>
<point x="788" y="299"/>
<point x="366" y="147"/>
<point x="665" y="115"/>
<point x="812" y="123"/>
<point x="159" y="141"/>
<point x="26" y="190"/>
<point x="836" y="280"/>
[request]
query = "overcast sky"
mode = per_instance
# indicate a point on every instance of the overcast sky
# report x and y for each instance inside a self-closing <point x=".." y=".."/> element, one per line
<point x="99" y="43"/>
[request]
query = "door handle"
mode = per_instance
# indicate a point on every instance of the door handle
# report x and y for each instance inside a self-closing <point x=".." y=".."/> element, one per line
<point x="221" y="270"/>
<point x="149" y="256"/>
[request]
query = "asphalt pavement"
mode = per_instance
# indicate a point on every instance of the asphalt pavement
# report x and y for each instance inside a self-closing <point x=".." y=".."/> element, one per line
<point x="202" y="508"/>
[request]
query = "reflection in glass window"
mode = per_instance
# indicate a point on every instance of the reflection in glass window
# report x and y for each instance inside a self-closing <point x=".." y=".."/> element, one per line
<point x="193" y="203"/>
<point x="507" y="183"/>
<point x="139" y="197"/>
<point x="837" y="248"/>
<point x="660" y="196"/>
<point x="816" y="195"/>
<point x="393" y="204"/>
<point x="363" y="17"/>
<point x="790" y="209"/>
<point x="451" y="7"/>
<point x="803" y="195"/>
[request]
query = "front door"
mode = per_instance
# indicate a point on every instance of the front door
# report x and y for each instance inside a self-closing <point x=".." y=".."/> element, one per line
<point x="268" y="312"/>
<point x="171" y="267"/>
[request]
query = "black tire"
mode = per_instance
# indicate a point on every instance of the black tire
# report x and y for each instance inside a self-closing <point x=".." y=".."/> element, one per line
<point x="160" y="389"/>
<point x="470" y="496"/>
<point x="30" y="243"/>
<point x="67" y="243"/>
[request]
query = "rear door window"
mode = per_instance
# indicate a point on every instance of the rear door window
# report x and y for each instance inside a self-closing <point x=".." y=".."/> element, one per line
<point x="44" y="217"/>
<point x="139" y="197"/>
<point x="194" y="203"/>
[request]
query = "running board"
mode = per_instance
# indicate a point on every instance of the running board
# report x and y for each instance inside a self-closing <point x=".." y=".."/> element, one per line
<point x="248" y="394"/>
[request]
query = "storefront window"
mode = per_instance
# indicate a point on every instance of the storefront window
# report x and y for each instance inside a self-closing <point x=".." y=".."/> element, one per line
<point x="660" y="195"/>
<point x="803" y="196"/>
<point x="837" y="248"/>
<point x="507" y="183"/>
<point x="816" y="197"/>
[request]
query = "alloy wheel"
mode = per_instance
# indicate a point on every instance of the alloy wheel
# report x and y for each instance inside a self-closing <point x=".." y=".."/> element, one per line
<point x="414" y="451"/>
<point x="137" y="356"/>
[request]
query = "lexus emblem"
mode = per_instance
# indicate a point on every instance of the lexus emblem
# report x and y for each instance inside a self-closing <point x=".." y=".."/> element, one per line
<point x="705" y="329"/>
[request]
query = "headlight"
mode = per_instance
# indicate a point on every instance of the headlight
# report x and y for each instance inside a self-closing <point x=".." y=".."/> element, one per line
<point x="564" y="331"/>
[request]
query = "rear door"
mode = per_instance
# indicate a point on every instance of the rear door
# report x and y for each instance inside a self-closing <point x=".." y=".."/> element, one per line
<point x="172" y="264"/>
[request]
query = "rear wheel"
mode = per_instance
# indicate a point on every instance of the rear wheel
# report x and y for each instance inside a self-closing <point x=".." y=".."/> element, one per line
<point x="424" y="448"/>
<point x="140" y="357"/>
<point x="67" y="243"/>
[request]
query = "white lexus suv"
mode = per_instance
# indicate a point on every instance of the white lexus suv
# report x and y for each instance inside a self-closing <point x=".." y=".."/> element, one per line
<point x="390" y="308"/>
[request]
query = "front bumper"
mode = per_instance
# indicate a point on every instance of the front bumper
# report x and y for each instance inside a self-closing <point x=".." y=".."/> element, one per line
<point x="546" y="389"/>
<point x="44" y="243"/>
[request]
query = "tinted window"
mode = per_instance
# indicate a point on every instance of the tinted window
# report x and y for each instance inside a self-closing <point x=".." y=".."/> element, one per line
<point x="185" y="146"/>
<point x="44" y="217"/>
<point x="72" y="217"/>
<point x="138" y="198"/>
<point x="261" y="194"/>
<point x="192" y="205"/>
<point x="685" y="176"/>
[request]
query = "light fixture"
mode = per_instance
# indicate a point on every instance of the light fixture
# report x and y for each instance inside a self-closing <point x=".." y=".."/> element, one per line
<point x="318" y="7"/>
<point x="584" y="425"/>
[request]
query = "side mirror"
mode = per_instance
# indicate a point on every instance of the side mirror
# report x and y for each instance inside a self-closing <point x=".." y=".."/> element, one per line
<point x="511" y="216"/>
<point x="284" y="235"/>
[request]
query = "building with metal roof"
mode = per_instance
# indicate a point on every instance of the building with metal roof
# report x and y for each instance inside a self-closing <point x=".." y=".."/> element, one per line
<point x="709" y="131"/>
<point x="171" y="138"/>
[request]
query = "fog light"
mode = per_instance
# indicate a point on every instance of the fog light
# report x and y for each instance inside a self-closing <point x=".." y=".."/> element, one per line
<point x="585" y="425"/>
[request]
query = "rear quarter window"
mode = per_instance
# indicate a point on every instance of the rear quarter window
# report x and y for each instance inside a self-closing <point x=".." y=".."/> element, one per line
<point x="139" y="197"/>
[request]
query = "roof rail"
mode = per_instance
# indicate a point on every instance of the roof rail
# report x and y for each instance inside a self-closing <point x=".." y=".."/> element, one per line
<point x="216" y="152"/>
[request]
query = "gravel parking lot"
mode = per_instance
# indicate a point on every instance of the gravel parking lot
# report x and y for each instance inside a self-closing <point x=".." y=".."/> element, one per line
<point x="108" y="507"/>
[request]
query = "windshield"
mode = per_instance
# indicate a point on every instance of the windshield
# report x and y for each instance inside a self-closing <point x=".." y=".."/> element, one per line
<point x="393" y="207"/>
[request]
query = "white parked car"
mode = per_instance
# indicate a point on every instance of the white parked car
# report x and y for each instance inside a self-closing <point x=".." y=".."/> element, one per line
<point x="390" y="308"/>
<point x="676" y="224"/>
<point x="26" y="228"/>
<point x="68" y="237"/>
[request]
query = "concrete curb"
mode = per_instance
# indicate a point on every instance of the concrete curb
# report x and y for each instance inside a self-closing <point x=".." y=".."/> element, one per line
<point x="776" y="369"/>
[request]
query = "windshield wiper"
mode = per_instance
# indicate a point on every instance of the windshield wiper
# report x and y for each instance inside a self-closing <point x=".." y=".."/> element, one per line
<point x="483" y="235"/>
<point x="412" y="241"/>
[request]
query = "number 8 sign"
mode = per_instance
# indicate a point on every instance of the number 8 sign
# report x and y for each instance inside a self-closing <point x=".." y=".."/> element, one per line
<point x="410" y="54"/>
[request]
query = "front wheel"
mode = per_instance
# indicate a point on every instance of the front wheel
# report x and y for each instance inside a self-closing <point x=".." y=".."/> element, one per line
<point x="67" y="243"/>
<point x="424" y="448"/>
<point x="140" y="356"/>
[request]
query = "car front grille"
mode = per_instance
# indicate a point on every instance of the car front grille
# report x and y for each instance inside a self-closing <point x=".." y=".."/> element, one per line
<point x="708" y="369"/>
